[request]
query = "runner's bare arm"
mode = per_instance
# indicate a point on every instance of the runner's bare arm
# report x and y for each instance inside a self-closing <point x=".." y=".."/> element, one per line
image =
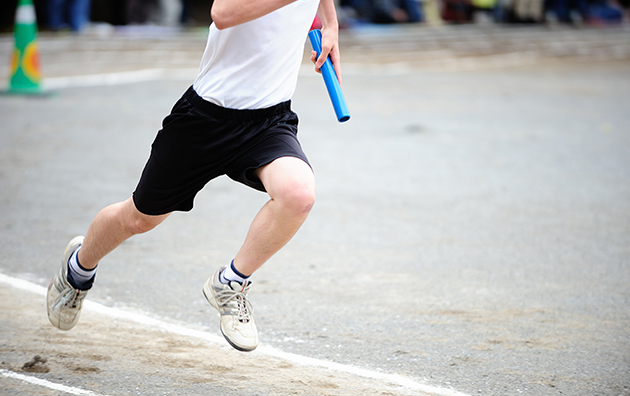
<point x="229" y="13"/>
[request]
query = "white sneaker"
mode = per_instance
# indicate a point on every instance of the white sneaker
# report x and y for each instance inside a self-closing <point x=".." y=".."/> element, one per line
<point x="237" y="322"/>
<point x="63" y="301"/>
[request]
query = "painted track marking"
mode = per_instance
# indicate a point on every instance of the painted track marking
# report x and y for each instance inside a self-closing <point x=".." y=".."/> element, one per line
<point x="406" y="383"/>
<point x="47" y="384"/>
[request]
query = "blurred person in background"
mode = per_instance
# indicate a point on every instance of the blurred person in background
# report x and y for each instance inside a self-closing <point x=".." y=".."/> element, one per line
<point x="594" y="12"/>
<point x="158" y="12"/>
<point x="457" y="11"/>
<point x="569" y="11"/>
<point x="137" y="11"/>
<point x="68" y="13"/>
<point x="602" y="12"/>
<point x="527" y="11"/>
<point x="170" y="12"/>
<point x="186" y="14"/>
<point x="624" y="5"/>
<point x="385" y="11"/>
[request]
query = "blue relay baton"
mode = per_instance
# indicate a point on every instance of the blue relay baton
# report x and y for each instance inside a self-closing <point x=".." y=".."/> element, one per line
<point x="330" y="78"/>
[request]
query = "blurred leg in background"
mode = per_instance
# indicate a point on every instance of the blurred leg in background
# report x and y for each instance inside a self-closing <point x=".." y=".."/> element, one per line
<point x="56" y="14"/>
<point x="68" y="13"/>
<point x="78" y="14"/>
<point x="170" y="12"/>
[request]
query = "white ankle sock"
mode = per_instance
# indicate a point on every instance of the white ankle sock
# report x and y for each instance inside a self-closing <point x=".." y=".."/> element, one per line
<point x="230" y="273"/>
<point x="81" y="276"/>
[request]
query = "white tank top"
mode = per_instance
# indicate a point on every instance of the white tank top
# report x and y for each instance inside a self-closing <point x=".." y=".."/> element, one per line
<point x="255" y="65"/>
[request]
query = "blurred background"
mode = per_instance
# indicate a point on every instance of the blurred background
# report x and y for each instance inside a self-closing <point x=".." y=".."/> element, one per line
<point x="78" y="15"/>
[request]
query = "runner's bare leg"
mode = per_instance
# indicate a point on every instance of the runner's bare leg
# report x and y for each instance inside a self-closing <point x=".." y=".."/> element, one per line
<point x="290" y="183"/>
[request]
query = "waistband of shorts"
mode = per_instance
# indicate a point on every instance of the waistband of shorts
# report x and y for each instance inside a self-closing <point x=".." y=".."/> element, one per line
<point x="234" y="114"/>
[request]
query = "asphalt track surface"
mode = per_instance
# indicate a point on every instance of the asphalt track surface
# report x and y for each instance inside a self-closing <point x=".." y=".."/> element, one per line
<point x="471" y="233"/>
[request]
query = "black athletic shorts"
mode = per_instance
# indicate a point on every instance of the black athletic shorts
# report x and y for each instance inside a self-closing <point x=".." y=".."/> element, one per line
<point x="200" y="141"/>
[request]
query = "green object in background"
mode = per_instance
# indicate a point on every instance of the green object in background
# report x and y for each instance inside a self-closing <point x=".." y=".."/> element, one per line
<point x="485" y="4"/>
<point x="25" y="71"/>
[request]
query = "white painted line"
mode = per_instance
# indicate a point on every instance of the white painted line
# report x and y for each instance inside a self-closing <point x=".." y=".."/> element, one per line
<point x="407" y="384"/>
<point x="128" y="77"/>
<point x="47" y="384"/>
<point x="23" y="285"/>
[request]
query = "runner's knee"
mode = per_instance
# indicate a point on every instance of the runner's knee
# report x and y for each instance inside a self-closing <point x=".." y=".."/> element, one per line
<point x="139" y="223"/>
<point x="297" y="199"/>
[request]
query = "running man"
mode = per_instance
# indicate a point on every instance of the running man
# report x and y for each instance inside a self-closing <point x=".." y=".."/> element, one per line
<point x="235" y="120"/>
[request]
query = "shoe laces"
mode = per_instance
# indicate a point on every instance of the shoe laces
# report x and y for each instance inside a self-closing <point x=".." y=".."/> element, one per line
<point x="70" y="297"/>
<point x="238" y="302"/>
